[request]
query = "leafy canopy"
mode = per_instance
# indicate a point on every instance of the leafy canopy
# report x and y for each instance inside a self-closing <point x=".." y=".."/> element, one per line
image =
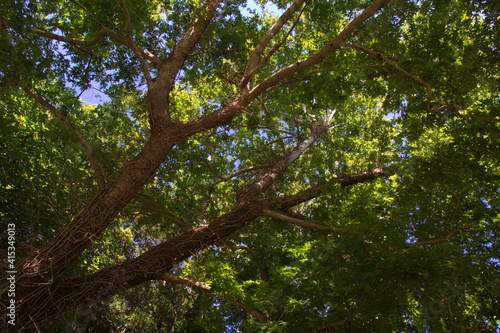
<point x="414" y="88"/>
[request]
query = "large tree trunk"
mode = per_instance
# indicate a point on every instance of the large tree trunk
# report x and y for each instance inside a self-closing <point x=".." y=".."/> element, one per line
<point x="41" y="294"/>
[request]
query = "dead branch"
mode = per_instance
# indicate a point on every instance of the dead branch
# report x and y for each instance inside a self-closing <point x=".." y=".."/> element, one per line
<point x="244" y="97"/>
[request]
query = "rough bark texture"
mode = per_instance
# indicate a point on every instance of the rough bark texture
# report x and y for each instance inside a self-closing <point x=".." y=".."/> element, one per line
<point x="41" y="294"/>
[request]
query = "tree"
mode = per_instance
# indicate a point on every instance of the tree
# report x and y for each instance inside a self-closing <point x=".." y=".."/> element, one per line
<point x="289" y="166"/>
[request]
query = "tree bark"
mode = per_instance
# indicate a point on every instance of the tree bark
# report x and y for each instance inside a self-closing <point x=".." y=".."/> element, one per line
<point x="40" y="292"/>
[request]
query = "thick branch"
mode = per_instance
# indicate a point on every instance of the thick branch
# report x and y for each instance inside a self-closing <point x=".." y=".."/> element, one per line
<point x="56" y="256"/>
<point x="43" y="266"/>
<point x="101" y="181"/>
<point x="41" y="301"/>
<point x="251" y="191"/>
<point x="319" y="56"/>
<point x="244" y="97"/>
<point x="254" y="63"/>
<point x="153" y="264"/>
<point x="188" y="41"/>
<point x="126" y="40"/>
<point x="315" y="191"/>
<point x="159" y="90"/>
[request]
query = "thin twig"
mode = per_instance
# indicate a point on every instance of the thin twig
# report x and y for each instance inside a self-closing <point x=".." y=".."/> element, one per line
<point x="299" y="222"/>
<point x="435" y="241"/>
<point x="249" y="73"/>
<point x="101" y="181"/>
<point x="89" y="13"/>
<point x="398" y="68"/>
<point x="452" y="322"/>
<point x="202" y="286"/>
<point x="255" y="259"/>
<point x="486" y="289"/>
<point x="133" y="46"/>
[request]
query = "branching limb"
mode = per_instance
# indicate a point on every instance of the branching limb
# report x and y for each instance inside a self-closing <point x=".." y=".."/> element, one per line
<point x="272" y="81"/>
<point x="159" y="90"/>
<point x="251" y="191"/>
<point x="315" y="191"/>
<point x="126" y="40"/>
<point x="71" y="40"/>
<point x="159" y="260"/>
<point x="101" y="181"/>
<point x="133" y="46"/>
<point x="229" y="177"/>
<point x="244" y="97"/>
<point x="186" y="45"/>
<point x="254" y="61"/>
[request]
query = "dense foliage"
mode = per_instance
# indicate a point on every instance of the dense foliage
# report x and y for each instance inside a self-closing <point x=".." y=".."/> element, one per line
<point x="206" y="166"/>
